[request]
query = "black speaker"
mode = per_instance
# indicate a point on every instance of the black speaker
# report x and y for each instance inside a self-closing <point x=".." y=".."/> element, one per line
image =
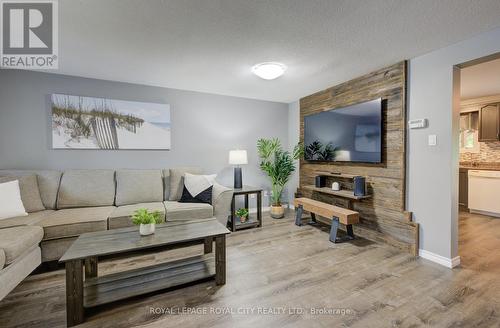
<point x="320" y="181"/>
<point x="359" y="186"/>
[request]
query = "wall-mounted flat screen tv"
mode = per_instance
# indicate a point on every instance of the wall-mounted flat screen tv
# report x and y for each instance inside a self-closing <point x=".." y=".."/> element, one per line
<point x="348" y="134"/>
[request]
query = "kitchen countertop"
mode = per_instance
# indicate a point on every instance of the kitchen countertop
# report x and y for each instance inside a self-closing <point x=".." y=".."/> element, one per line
<point x="480" y="166"/>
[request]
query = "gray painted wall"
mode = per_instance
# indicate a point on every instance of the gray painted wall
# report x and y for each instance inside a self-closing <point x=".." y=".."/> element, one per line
<point x="204" y="127"/>
<point x="432" y="184"/>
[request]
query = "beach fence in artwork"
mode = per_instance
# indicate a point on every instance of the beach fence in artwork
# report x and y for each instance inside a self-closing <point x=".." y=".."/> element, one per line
<point x="105" y="131"/>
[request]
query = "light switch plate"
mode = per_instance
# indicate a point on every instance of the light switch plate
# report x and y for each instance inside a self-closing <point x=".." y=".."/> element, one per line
<point x="432" y="140"/>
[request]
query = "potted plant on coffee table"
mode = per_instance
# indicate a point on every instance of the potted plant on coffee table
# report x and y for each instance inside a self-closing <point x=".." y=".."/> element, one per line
<point x="279" y="165"/>
<point x="242" y="214"/>
<point x="146" y="221"/>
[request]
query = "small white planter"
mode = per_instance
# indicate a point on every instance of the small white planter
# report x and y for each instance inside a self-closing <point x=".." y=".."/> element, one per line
<point x="147" y="229"/>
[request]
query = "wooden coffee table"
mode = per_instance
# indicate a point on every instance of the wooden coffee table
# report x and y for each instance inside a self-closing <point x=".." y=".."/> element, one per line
<point x="88" y="290"/>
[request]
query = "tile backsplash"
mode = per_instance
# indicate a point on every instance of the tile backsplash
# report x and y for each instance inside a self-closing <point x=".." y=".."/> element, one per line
<point x="489" y="153"/>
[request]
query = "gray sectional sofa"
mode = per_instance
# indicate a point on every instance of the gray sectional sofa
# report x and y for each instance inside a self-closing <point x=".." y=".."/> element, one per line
<point x="80" y="201"/>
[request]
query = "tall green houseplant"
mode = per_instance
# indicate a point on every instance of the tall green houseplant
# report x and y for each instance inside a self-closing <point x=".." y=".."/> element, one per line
<point x="279" y="165"/>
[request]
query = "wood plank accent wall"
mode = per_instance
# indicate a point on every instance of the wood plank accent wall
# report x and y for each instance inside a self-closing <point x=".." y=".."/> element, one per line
<point x="383" y="217"/>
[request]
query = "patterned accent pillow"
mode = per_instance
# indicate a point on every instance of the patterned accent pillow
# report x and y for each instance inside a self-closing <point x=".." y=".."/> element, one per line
<point x="197" y="188"/>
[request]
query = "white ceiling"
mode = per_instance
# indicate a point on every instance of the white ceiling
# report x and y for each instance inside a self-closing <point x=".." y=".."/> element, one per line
<point x="480" y="80"/>
<point x="210" y="45"/>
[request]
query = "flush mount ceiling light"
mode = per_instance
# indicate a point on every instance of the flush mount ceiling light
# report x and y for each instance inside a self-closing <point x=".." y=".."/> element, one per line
<point x="269" y="70"/>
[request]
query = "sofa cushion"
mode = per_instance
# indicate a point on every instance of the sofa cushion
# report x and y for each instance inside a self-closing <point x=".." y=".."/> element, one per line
<point x="138" y="186"/>
<point x="177" y="180"/>
<point x="48" y="184"/>
<point x="176" y="211"/>
<point x="30" y="219"/>
<point x="16" y="241"/>
<point x="86" y="188"/>
<point x="30" y="194"/>
<point x="2" y="258"/>
<point x="75" y="221"/>
<point x="122" y="216"/>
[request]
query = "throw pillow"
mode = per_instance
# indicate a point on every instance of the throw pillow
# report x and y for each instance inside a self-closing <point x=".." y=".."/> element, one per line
<point x="11" y="204"/>
<point x="30" y="194"/>
<point x="177" y="180"/>
<point x="197" y="188"/>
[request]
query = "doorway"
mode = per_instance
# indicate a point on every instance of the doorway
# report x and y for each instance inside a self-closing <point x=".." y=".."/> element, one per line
<point x="479" y="163"/>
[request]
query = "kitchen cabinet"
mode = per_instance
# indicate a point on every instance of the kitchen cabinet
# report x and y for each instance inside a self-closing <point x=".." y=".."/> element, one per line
<point x="463" y="187"/>
<point x="469" y="121"/>
<point x="489" y="123"/>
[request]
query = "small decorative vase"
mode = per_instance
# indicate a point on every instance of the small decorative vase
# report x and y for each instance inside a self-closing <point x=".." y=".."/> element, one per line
<point x="277" y="211"/>
<point x="147" y="229"/>
<point x="243" y="219"/>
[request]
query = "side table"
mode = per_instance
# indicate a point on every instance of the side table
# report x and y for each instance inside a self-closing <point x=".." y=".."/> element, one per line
<point x="252" y="222"/>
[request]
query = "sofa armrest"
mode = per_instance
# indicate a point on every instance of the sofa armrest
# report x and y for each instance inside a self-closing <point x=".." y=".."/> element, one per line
<point x="222" y="197"/>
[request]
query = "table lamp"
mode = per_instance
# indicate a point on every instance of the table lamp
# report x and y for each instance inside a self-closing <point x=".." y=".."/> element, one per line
<point x="238" y="157"/>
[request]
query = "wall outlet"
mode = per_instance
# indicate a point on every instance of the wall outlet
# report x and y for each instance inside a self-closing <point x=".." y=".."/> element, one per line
<point x="266" y="193"/>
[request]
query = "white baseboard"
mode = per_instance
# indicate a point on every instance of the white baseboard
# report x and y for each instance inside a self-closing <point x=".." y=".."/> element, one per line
<point x="447" y="262"/>
<point x="485" y="213"/>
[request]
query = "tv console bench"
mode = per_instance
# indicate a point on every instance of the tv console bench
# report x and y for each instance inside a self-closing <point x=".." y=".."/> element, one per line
<point x="336" y="214"/>
<point x="345" y="214"/>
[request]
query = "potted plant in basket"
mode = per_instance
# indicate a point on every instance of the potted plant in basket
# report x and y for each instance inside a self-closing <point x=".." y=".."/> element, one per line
<point x="279" y="166"/>
<point x="146" y="220"/>
<point x="242" y="214"/>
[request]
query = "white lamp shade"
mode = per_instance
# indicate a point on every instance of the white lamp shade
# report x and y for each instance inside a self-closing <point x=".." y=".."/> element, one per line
<point x="238" y="157"/>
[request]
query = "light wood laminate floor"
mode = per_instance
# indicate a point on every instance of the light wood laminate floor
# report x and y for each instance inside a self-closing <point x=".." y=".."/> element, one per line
<point x="293" y="271"/>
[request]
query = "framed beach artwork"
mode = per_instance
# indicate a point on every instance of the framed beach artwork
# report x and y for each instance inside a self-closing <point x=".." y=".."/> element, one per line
<point x="97" y="123"/>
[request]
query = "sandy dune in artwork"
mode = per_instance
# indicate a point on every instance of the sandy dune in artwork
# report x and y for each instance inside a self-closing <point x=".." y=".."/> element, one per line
<point x="148" y="134"/>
